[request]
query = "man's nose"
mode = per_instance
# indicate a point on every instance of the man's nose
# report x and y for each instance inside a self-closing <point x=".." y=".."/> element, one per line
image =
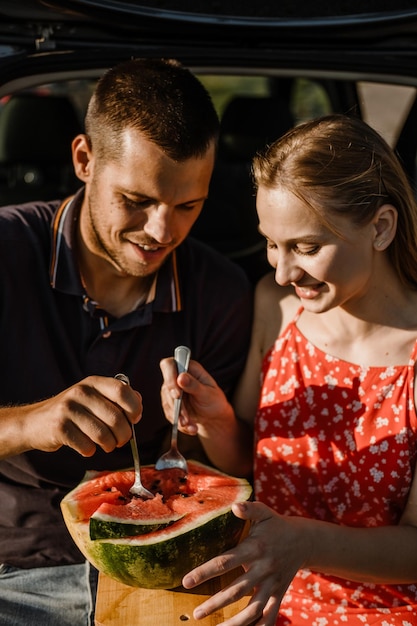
<point x="159" y="224"/>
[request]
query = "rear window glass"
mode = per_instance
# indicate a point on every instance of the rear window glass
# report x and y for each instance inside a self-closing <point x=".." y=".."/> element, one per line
<point x="306" y="98"/>
<point x="385" y="107"/>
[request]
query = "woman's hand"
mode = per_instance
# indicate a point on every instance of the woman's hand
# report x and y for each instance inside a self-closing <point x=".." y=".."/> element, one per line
<point x="206" y="412"/>
<point x="272" y="553"/>
<point x="278" y="546"/>
<point x="203" y="400"/>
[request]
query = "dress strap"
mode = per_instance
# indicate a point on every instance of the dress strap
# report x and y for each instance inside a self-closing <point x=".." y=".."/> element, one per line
<point x="413" y="356"/>
<point x="298" y="315"/>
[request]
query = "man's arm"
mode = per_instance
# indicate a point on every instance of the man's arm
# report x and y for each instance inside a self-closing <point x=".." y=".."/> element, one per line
<point x="97" y="411"/>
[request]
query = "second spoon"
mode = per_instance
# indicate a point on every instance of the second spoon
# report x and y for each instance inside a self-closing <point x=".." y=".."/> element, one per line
<point x="137" y="489"/>
<point x="174" y="458"/>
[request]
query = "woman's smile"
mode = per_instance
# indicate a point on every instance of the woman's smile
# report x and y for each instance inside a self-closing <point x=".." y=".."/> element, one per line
<point x="308" y="292"/>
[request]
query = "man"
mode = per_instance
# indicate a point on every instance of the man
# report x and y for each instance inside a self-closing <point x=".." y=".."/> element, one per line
<point x="104" y="282"/>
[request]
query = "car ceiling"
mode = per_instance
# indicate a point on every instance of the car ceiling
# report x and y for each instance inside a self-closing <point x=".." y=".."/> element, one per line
<point x="238" y="33"/>
<point x="350" y="19"/>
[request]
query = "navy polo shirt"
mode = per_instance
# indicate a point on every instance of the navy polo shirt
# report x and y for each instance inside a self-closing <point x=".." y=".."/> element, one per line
<point x="52" y="335"/>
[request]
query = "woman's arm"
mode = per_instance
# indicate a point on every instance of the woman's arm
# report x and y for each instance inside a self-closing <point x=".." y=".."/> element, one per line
<point x="278" y="546"/>
<point x="386" y="554"/>
<point x="274" y="307"/>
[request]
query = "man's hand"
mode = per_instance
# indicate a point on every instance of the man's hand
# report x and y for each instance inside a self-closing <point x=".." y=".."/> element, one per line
<point x="97" y="411"/>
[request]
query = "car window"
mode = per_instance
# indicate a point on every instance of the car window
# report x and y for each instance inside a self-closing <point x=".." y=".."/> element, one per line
<point x="223" y="88"/>
<point x="309" y="99"/>
<point x="78" y="92"/>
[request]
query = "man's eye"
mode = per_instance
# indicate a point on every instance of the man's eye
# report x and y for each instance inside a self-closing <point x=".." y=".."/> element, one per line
<point x="271" y="245"/>
<point x="133" y="205"/>
<point x="188" y="207"/>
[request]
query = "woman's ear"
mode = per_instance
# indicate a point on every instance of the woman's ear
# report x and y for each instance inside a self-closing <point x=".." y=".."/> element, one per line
<point x="385" y="226"/>
<point x="82" y="157"/>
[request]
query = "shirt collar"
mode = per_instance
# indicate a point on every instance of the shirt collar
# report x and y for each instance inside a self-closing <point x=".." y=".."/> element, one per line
<point x="64" y="274"/>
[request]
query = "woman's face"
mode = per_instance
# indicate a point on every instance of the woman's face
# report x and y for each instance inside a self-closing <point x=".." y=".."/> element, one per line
<point x="325" y="269"/>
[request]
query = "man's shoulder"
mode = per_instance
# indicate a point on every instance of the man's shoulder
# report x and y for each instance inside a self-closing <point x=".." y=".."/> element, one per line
<point x="16" y="218"/>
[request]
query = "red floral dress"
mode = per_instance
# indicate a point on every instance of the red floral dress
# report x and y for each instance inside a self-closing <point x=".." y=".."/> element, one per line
<point x="336" y="442"/>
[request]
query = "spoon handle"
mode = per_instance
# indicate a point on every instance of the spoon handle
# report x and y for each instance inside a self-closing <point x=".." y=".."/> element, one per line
<point x="137" y="489"/>
<point x="133" y="442"/>
<point x="182" y="358"/>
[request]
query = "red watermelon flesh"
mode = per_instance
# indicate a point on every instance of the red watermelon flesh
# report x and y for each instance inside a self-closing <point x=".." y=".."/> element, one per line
<point x="153" y="543"/>
<point x="176" y="494"/>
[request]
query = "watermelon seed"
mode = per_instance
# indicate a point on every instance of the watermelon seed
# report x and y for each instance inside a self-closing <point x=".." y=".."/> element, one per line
<point x="183" y="495"/>
<point x="183" y="479"/>
<point x="184" y="618"/>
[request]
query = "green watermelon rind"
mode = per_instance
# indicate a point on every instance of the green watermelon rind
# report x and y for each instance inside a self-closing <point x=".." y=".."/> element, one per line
<point x="159" y="560"/>
<point x="102" y="528"/>
<point x="163" y="564"/>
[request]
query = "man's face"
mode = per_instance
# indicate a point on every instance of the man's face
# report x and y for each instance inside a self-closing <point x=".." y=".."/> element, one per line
<point x="139" y="208"/>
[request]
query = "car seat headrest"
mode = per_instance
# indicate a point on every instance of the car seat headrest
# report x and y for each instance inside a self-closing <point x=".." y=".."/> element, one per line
<point x="37" y="129"/>
<point x="249" y="123"/>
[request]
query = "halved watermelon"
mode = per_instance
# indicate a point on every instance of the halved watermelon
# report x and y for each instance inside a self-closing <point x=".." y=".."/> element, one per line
<point x="153" y="543"/>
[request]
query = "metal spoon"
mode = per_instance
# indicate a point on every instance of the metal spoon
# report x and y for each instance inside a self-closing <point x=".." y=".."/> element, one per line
<point x="137" y="489"/>
<point x="173" y="458"/>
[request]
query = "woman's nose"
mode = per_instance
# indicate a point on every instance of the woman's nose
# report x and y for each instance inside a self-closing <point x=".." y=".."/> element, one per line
<point x="287" y="270"/>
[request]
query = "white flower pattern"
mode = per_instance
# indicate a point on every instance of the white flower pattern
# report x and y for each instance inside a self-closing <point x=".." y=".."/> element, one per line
<point x="338" y="442"/>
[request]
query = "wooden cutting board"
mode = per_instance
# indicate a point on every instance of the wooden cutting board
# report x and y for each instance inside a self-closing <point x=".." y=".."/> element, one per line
<point x="121" y="605"/>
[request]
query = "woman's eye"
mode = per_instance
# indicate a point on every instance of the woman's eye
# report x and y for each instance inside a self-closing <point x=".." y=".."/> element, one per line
<point x="310" y="250"/>
<point x="298" y="249"/>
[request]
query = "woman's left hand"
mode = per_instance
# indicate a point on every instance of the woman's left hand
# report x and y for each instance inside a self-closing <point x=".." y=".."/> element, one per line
<point x="274" y="550"/>
<point x="204" y="404"/>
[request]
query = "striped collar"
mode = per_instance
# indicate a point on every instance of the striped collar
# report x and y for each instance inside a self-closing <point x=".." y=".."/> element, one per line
<point x="64" y="274"/>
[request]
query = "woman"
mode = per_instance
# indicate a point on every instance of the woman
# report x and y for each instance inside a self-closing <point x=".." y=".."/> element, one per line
<point x="333" y="538"/>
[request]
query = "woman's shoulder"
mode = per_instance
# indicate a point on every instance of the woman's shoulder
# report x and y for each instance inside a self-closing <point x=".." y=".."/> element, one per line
<point x="269" y="296"/>
<point x="275" y="308"/>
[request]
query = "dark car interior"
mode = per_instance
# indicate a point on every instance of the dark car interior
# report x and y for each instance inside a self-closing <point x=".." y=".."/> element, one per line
<point x="35" y="148"/>
<point x="247" y="124"/>
<point x="38" y="125"/>
<point x="267" y="68"/>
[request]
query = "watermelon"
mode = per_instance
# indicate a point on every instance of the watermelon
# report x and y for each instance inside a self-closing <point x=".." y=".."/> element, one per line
<point x="153" y="543"/>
